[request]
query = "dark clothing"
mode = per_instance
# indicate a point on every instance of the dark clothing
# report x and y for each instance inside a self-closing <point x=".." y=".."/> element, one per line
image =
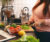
<point x="44" y="36"/>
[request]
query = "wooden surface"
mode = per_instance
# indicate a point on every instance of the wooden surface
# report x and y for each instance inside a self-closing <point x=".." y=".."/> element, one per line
<point x="29" y="30"/>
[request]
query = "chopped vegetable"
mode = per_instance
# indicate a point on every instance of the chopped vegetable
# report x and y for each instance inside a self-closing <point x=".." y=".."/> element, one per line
<point x="13" y="25"/>
<point x="26" y="27"/>
<point x="17" y="30"/>
<point x="11" y="30"/>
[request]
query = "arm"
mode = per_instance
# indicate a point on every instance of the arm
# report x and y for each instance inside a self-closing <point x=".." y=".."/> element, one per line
<point x="31" y="20"/>
<point x="47" y="22"/>
<point x="41" y="21"/>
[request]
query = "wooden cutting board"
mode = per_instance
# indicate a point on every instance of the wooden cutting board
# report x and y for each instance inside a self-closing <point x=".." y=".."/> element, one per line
<point x="29" y="30"/>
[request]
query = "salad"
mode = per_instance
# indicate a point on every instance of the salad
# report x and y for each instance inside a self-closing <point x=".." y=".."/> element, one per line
<point x="26" y="38"/>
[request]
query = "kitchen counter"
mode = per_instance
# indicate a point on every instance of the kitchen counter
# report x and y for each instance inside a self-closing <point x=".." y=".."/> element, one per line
<point x="28" y="32"/>
<point x="5" y="36"/>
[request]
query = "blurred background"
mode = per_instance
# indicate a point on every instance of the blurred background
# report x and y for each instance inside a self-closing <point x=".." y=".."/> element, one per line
<point x="16" y="11"/>
<point x="18" y="5"/>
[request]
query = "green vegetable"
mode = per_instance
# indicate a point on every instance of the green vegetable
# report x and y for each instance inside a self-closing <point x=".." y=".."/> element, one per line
<point x="26" y="27"/>
<point x="13" y="25"/>
<point x="1" y="25"/>
<point x="32" y="39"/>
<point x="26" y="39"/>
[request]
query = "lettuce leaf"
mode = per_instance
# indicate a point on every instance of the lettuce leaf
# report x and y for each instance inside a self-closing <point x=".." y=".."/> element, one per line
<point x="26" y="39"/>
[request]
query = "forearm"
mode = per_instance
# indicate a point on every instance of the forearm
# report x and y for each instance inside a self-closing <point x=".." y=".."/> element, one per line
<point x="31" y="20"/>
<point x="44" y="22"/>
<point x="47" y="22"/>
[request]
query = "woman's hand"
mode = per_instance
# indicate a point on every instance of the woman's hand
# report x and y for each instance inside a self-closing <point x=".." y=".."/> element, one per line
<point x="40" y="23"/>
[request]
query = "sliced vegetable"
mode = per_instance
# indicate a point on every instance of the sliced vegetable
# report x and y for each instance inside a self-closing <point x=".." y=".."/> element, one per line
<point x="26" y="27"/>
<point x="11" y="30"/>
<point x="17" y="30"/>
<point x="13" y="25"/>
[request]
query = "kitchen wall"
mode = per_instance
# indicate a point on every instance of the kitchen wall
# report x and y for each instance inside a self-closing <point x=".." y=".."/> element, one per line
<point x="19" y="4"/>
<point x="0" y="8"/>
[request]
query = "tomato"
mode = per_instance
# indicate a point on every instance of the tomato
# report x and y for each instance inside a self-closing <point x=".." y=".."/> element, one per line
<point x="17" y="30"/>
<point x="19" y="26"/>
<point x="12" y="30"/>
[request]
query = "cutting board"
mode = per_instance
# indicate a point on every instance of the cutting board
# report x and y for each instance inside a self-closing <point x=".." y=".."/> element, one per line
<point x="29" y="30"/>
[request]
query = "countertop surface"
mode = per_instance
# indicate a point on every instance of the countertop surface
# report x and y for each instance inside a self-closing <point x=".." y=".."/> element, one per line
<point x="5" y="36"/>
<point x="8" y="36"/>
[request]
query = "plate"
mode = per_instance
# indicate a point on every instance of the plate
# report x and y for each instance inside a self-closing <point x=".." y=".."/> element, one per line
<point x="5" y="36"/>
